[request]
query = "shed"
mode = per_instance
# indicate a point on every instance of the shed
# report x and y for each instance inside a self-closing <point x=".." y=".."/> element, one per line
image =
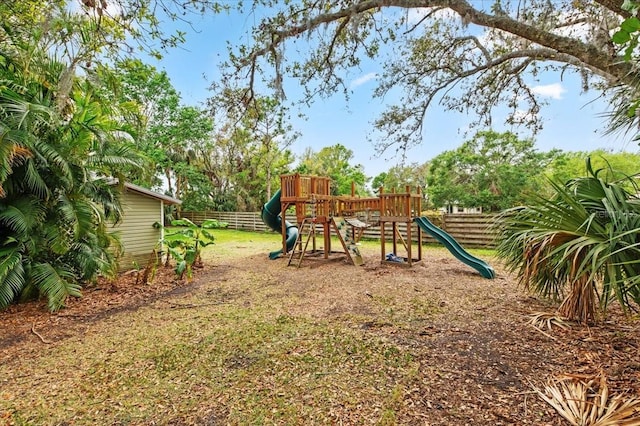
<point x="138" y="229"/>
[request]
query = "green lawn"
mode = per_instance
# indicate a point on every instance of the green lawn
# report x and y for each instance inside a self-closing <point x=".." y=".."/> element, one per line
<point x="249" y="342"/>
<point x="229" y="241"/>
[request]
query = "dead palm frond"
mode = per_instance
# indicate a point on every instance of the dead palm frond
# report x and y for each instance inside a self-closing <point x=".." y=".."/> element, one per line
<point x="546" y="320"/>
<point x="585" y="401"/>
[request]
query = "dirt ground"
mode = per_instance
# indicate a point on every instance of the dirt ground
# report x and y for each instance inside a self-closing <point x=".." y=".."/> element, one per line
<point x="479" y="357"/>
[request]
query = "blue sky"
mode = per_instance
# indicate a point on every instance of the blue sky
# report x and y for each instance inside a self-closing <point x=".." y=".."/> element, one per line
<point x="572" y="119"/>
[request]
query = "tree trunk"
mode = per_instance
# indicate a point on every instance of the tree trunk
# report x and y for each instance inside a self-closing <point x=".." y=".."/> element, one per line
<point x="580" y="303"/>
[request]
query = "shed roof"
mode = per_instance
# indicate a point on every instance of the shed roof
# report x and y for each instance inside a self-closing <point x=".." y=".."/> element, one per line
<point x="147" y="192"/>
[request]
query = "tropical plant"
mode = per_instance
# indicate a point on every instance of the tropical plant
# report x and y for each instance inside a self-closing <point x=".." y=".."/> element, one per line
<point x="185" y="243"/>
<point x="582" y="244"/>
<point x="57" y="157"/>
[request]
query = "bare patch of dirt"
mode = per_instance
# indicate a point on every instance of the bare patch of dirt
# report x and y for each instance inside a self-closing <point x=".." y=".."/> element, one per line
<point x="477" y="356"/>
<point x="29" y="321"/>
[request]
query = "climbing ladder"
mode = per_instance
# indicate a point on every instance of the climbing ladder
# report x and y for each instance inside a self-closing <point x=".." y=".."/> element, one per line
<point x="308" y="229"/>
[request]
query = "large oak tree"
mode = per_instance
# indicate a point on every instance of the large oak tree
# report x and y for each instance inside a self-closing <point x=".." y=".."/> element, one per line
<point x="463" y="55"/>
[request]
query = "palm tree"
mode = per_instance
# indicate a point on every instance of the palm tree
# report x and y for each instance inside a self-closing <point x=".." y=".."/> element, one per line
<point x="54" y="174"/>
<point x="582" y="245"/>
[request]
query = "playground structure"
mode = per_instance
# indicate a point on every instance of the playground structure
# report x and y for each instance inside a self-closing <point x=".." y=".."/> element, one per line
<point x="308" y="200"/>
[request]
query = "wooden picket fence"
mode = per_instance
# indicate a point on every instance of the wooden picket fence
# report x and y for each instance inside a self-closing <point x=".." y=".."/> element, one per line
<point x="470" y="230"/>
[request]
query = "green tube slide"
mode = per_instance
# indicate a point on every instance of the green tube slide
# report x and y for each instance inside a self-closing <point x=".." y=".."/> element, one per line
<point x="271" y="217"/>
<point x="455" y="248"/>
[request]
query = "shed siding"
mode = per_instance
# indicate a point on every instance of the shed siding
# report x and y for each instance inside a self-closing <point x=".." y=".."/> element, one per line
<point x="137" y="233"/>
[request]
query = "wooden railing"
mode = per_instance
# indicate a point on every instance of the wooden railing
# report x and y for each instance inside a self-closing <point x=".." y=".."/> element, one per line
<point x="297" y="187"/>
<point x="470" y="230"/>
<point x="347" y="206"/>
<point x="399" y="207"/>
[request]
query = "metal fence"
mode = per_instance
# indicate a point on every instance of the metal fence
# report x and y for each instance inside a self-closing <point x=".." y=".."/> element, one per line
<point x="472" y="230"/>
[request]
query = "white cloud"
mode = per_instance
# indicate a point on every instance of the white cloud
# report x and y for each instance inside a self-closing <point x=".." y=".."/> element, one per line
<point x="553" y="91"/>
<point x="362" y="80"/>
<point x="521" y="116"/>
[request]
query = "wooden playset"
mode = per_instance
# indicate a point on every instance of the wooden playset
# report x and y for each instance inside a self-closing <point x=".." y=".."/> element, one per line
<point x="317" y="212"/>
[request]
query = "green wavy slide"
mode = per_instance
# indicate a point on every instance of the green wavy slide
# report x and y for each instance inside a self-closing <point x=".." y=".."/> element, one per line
<point x="455" y="248"/>
<point x="271" y="217"/>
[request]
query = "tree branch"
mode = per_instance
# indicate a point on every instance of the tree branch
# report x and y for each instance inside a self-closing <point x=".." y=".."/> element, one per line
<point x="615" y="6"/>
<point x="588" y="54"/>
<point x="442" y="56"/>
<point x="423" y="19"/>
<point x="477" y="43"/>
<point x="572" y="22"/>
<point x="312" y="24"/>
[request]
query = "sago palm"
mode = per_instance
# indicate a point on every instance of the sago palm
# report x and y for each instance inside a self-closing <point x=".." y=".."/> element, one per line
<point x="582" y="245"/>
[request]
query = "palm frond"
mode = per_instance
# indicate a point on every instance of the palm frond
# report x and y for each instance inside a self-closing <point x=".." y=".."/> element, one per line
<point x="621" y="117"/>
<point x="57" y="236"/>
<point x="22" y="215"/>
<point x="90" y="260"/>
<point x="23" y="112"/>
<point x="35" y="182"/>
<point x="79" y="214"/>
<point x="12" y="153"/>
<point x="116" y="156"/>
<point x="583" y="242"/>
<point x="545" y="320"/>
<point x="11" y="273"/>
<point x="586" y="401"/>
<point x="53" y="159"/>
<point x="56" y="283"/>
<point x="103" y="193"/>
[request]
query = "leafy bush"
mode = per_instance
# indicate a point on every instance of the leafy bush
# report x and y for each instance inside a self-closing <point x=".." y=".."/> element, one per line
<point x="56" y="151"/>
<point x="185" y="243"/>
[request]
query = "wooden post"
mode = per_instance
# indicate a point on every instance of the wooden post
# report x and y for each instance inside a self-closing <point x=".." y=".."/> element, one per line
<point x="327" y="238"/>
<point x="419" y="243"/>
<point x="419" y="213"/>
<point x="407" y="203"/>
<point x="283" y="231"/>
<point x="409" y="244"/>
<point x="383" y="209"/>
<point x="298" y="185"/>
<point x="394" y="228"/>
